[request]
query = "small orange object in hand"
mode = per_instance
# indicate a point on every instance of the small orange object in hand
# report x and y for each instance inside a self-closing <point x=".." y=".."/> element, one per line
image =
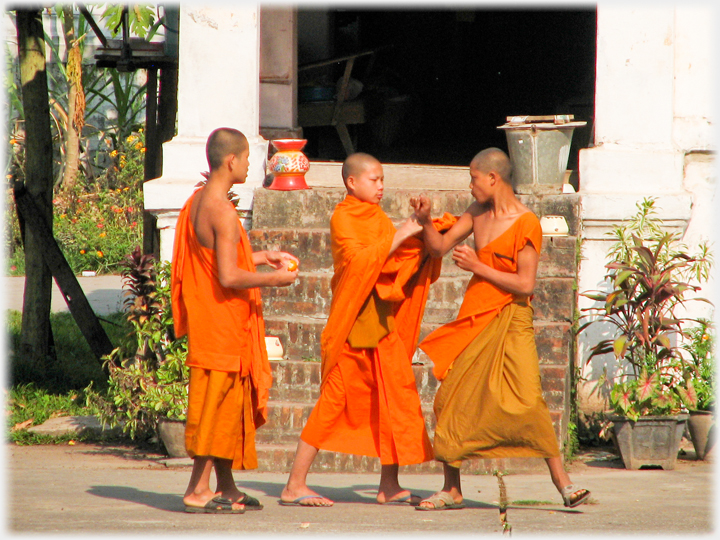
<point x="292" y="266"/>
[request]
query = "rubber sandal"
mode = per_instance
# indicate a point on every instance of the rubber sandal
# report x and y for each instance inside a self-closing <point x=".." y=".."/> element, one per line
<point x="297" y="502"/>
<point x="216" y="505"/>
<point x="251" y="503"/>
<point x="448" y="503"/>
<point x="568" y="492"/>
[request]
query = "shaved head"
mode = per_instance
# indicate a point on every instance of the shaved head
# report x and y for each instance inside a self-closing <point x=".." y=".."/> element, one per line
<point x="493" y="160"/>
<point x="355" y="164"/>
<point x="223" y="142"/>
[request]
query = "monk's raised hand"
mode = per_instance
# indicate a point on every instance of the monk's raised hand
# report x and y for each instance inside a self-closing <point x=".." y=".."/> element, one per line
<point x="465" y="258"/>
<point x="411" y="226"/>
<point x="422" y="206"/>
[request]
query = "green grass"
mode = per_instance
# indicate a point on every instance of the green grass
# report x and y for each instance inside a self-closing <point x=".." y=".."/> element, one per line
<point x="76" y="366"/>
<point x="38" y="393"/>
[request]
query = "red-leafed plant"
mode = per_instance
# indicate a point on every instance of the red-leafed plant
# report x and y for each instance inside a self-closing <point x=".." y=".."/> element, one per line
<point x="649" y="277"/>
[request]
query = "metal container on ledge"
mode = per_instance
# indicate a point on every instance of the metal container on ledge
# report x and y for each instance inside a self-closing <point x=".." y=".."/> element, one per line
<point x="539" y="148"/>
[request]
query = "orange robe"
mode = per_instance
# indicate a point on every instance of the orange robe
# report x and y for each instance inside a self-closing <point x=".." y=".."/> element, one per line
<point x="490" y="402"/>
<point x="369" y="404"/>
<point x="230" y="375"/>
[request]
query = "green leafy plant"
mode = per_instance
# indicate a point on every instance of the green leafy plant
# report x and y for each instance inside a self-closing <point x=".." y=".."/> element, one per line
<point x="148" y="376"/>
<point x="649" y="277"/>
<point x="699" y="371"/>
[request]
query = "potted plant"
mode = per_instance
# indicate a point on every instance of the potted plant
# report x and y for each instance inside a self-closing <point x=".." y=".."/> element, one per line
<point x="649" y="277"/>
<point x="148" y="378"/>
<point x="699" y="395"/>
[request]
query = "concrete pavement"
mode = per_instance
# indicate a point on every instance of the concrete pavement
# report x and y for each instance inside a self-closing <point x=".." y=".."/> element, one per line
<point x="104" y="293"/>
<point x="113" y="489"/>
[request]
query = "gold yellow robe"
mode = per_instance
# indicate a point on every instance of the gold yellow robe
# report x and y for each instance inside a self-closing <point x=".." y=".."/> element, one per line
<point x="490" y="404"/>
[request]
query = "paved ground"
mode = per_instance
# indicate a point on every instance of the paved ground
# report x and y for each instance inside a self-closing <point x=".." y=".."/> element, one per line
<point x="103" y="292"/>
<point x="114" y="489"/>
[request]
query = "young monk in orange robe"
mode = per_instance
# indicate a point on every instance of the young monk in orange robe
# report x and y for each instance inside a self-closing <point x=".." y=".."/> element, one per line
<point x="369" y="404"/>
<point x="216" y="302"/>
<point x="490" y="402"/>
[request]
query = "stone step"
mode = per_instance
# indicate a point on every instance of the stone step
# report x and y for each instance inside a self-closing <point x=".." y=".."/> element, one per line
<point x="300" y="336"/>
<point x="298" y="381"/>
<point x="287" y="419"/>
<point x="310" y="296"/>
<point x="278" y="458"/>
<point x="312" y="208"/>
<point x="312" y="247"/>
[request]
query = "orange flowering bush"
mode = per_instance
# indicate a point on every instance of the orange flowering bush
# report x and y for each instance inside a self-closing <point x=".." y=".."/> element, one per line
<point x="97" y="222"/>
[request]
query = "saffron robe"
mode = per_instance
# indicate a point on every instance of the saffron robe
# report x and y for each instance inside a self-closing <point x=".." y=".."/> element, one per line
<point x="369" y="404"/>
<point x="490" y="402"/>
<point x="226" y="333"/>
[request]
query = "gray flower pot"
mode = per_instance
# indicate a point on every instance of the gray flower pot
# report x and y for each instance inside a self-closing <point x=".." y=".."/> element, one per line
<point x="172" y="435"/>
<point x="649" y="441"/>
<point x="701" y="426"/>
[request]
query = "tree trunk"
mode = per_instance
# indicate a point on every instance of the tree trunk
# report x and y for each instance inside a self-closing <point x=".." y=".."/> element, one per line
<point x="36" y="334"/>
<point x="72" y="137"/>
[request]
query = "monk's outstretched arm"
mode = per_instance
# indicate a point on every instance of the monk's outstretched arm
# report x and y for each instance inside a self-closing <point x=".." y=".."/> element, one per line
<point x="438" y="244"/>
<point x="405" y="231"/>
<point x="521" y="283"/>
<point x="227" y="235"/>
<point x="276" y="259"/>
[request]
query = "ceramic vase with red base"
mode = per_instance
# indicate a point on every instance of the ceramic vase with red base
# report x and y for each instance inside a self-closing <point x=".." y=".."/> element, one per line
<point x="288" y="165"/>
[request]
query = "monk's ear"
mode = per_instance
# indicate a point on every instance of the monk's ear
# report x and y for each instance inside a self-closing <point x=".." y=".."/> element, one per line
<point x="350" y="183"/>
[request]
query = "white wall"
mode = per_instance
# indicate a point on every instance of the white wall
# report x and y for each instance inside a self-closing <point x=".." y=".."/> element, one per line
<point x="653" y="136"/>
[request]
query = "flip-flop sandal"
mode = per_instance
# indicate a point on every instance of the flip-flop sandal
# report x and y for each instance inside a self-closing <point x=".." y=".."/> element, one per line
<point x="568" y="492"/>
<point x="407" y="499"/>
<point x="297" y="502"/>
<point x="448" y="503"/>
<point x="251" y="503"/>
<point x="216" y="505"/>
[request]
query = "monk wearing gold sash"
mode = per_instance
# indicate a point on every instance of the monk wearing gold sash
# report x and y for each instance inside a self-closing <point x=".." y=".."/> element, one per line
<point x="369" y="404"/>
<point x="490" y="403"/>
<point x="216" y="302"/>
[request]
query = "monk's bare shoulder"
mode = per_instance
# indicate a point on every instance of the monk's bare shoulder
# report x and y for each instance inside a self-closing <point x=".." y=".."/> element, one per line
<point x="213" y="216"/>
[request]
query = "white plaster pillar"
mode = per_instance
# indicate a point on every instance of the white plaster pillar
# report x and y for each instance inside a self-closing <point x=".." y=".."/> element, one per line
<point x="653" y="113"/>
<point x="218" y="86"/>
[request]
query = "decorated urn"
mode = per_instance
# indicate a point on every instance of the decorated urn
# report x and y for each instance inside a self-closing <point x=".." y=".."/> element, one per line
<point x="288" y="165"/>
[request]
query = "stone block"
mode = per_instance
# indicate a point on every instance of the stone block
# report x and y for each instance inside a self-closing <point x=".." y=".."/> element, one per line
<point x="554" y="299"/>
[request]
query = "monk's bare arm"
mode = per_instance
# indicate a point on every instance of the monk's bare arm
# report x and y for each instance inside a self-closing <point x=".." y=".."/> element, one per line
<point x="438" y="244"/>
<point x="521" y="283"/>
<point x="227" y="235"/>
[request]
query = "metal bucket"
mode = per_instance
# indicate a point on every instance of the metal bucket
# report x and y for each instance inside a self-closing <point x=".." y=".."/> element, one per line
<point x="539" y="150"/>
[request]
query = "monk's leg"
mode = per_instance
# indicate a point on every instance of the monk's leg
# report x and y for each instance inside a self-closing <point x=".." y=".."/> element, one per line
<point x="296" y="490"/>
<point x="390" y="490"/>
<point x="573" y="496"/>
<point x="198" y="492"/>
<point x="451" y="486"/>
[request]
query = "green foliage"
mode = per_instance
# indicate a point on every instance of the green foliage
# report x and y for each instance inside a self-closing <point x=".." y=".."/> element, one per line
<point x="699" y="371"/>
<point x="96" y="223"/>
<point x="649" y="277"/>
<point x="140" y="16"/>
<point x="75" y="367"/>
<point x="28" y="405"/>
<point x="148" y="375"/>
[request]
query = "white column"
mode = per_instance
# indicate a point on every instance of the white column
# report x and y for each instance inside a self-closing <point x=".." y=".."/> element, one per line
<point x="218" y="86"/>
<point x="653" y="130"/>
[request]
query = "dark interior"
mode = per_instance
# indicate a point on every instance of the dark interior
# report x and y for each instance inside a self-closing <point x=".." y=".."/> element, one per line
<point x="443" y="80"/>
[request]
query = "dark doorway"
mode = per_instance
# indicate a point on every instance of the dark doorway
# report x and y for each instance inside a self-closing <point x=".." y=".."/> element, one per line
<point x="443" y="80"/>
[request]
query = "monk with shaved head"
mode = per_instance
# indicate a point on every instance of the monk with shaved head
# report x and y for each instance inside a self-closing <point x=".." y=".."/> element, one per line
<point x="216" y="302"/>
<point x="369" y="404"/>
<point x="490" y="403"/>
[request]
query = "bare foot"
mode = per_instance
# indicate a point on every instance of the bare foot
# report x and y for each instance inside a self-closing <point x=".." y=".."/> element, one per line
<point x="402" y="496"/>
<point x="304" y="497"/>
